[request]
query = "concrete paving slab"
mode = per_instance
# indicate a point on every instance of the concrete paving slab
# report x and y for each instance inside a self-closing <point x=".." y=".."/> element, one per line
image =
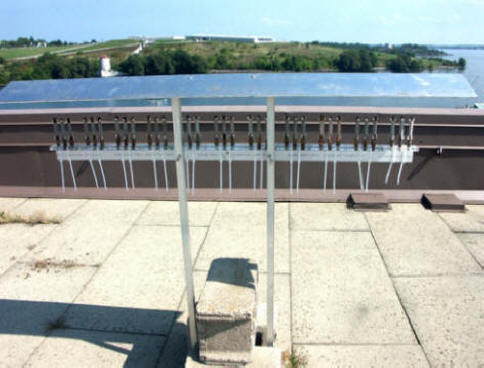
<point x="145" y="271"/>
<point x="341" y="293"/>
<point x="239" y="230"/>
<point x="18" y="239"/>
<point x="447" y="314"/>
<point x="90" y="234"/>
<point x="166" y="213"/>
<point x="375" y="356"/>
<point x="31" y="300"/>
<point x="325" y="216"/>
<point x="470" y="221"/>
<point x="16" y="349"/>
<point x="58" y="208"/>
<point x="66" y="347"/>
<point x="475" y="244"/>
<point x="111" y="211"/>
<point x="44" y="282"/>
<point x="7" y="204"/>
<point x="415" y="241"/>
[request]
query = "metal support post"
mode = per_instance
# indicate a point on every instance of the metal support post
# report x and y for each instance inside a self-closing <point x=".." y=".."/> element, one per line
<point x="182" y="201"/>
<point x="270" y="134"/>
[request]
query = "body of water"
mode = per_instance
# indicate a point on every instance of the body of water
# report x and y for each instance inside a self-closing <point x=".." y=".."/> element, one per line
<point x="474" y="71"/>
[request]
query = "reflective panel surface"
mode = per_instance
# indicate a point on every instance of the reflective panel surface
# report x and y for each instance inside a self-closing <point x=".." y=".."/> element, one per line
<point x="240" y="85"/>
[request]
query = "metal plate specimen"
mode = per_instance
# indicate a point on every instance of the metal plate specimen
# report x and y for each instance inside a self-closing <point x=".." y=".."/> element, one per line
<point x="240" y="85"/>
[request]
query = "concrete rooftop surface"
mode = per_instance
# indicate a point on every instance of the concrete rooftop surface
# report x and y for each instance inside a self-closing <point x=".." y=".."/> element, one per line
<point x="105" y="287"/>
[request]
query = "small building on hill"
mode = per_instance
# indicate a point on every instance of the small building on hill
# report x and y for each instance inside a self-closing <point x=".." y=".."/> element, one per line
<point x="226" y="38"/>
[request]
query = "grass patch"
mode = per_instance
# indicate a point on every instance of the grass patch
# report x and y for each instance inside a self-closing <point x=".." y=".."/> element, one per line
<point x="111" y="43"/>
<point x="294" y="360"/>
<point x="47" y="263"/>
<point x="35" y="219"/>
<point x="18" y="52"/>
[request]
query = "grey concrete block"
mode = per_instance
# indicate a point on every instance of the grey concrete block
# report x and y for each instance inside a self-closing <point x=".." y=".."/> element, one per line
<point x="226" y="312"/>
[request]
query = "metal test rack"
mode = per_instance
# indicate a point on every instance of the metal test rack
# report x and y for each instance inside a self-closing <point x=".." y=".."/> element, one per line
<point x="267" y="86"/>
<point x="182" y="154"/>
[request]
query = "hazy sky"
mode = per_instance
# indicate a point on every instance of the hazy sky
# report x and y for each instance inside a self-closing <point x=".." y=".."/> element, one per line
<point x="395" y="21"/>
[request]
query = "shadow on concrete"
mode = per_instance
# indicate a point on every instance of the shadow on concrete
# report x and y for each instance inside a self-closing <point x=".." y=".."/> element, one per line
<point x="52" y="319"/>
<point x="233" y="271"/>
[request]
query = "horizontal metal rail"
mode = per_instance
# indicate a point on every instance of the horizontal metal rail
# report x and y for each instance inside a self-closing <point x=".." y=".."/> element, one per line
<point x="240" y="152"/>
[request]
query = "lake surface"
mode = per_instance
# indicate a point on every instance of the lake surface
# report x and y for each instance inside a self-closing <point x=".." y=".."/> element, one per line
<point x="474" y="73"/>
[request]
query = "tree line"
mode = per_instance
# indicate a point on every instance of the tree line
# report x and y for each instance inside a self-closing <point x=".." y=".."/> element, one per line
<point x="31" y="42"/>
<point x="182" y="62"/>
<point x="49" y="66"/>
<point x="179" y="61"/>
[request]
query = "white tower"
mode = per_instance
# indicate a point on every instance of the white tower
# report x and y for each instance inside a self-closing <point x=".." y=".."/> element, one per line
<point x="105" y="67"/>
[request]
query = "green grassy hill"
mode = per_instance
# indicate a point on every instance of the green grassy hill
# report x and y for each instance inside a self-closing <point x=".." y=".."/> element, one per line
<point x="15" y="53"/>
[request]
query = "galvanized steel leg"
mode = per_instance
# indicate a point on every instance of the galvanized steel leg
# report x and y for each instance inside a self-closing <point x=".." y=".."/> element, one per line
<point x="325" y="179"/>
<point x="185" y="230"/>
<point x="193" y="176"/>
<point x="360" y="175"/>
<point x="221" y="173"/>
<point x="187" y="174"/>
<point x="63" y="180"/>
<point x="400" y="168"/>
<point x="261" y="182"/>
<point x="230" y="173"/>
<point x="368" y="172"/>
<point x="298" y="172"/>
<point x="72" y="174"/>
<point x="335" y="161"/>
<point x="290" y="172"/>
<point x="123" y="161"/>
<point x="166" y="175"/>
<point x="387" y="176"/>
<point x="270" y="218"/>
<point x="131" y="172"/>
<point x="254" y="175"/>
<point x="94" y="174"/>
<point x="102" y="175"/>
<point x="155" y="175"/>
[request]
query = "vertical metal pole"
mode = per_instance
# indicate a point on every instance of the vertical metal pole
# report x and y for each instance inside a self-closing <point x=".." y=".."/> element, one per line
<point x="270" y="131"/>
<point x="182" y="201"/>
